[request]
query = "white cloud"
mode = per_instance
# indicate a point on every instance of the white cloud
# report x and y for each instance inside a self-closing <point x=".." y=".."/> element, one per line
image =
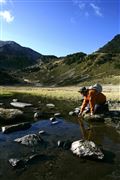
<point x="2" y="1"/>
<point x="7" y="16"/>
<point x="81" y="5"/>
<point x="85" y="5"/>
<point x="96" y="9"/>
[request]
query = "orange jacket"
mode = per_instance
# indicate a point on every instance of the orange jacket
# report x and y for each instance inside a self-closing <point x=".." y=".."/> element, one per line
<point x="93" y="97"/>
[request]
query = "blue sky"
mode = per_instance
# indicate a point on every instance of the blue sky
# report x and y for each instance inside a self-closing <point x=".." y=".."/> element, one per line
<point x="60" y="27"/>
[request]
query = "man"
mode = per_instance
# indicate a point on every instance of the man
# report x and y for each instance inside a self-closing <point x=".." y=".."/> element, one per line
<point x="93" y="100"/>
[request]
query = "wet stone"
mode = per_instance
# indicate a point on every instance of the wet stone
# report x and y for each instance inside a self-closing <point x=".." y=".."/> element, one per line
<point x="20" y="163"/>
<point x="54" y="122"/>
<point x="30" y="140"/>
<point x="64" y="144"/>
<point x="43" y="115"/>
<point x="50" y="105"/>
<point x="72" y="113"/>
<point x="10" y="114"/>
<point x="20" y="104"/>
<point x="16" y="127"/>
<point x="95" y="117"/>
<point x="76" y="111"/>
<point x="52" y="119"/>
<point x="37" y="115"/>
<point x="16" y="162"/>
<point x="42" y="132"/>
<point x="57" y="114"/>
<point x="15" y="100"/>
<point x="85" y="148"/>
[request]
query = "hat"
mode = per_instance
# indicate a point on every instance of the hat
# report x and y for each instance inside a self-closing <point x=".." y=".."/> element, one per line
<point x="82" y="90"/>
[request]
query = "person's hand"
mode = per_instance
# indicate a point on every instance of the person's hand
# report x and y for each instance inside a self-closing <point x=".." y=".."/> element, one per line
<point x="80" y="114"/>
<point x="91" y="113"/>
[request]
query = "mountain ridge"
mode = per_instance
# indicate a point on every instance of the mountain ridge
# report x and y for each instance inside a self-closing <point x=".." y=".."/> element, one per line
<point x="72" y="69"/>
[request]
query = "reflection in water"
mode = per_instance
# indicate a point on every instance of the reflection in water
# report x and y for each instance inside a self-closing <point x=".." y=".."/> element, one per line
<point x="62" y="164"/>
<point x="86" y="133"/>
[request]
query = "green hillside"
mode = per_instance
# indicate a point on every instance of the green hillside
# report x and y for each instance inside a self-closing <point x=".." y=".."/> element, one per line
<point x="100" y="67"/>
<point x="79" y="68"/>
<point x="112" y="47"/>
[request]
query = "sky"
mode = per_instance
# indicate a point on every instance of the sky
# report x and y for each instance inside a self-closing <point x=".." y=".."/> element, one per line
<point x="60" y="27"/>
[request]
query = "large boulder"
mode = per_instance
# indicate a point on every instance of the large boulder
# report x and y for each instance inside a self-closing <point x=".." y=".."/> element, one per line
<point x="30" y="140"/>
<point x="7" y="115"/>
<point x="85" y="148"/>
<point x="16" y="127"/>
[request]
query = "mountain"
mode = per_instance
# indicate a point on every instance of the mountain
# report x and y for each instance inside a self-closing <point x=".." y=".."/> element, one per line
<point x="101" y="66"/>
<point x="7" y="79"/>
<point x="13" y="56"/>
<point x="111" y="47"/>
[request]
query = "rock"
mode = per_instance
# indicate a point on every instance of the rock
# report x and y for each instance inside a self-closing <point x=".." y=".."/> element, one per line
<point x="52" y="119"/>
<point x="16" y="127"/>
<point x="29" y="140"/>
<point x="1" y="104"/>
<point x="16" y="162"/>
<point x="113" y="119"/>
<point x="57" y="115"/>
<point x="10" y="114"/>
<point x="71" y="113"/>
<point x="42" y="132"/>
<point x="15" y="100"/>
<point x="76" y="112"/>
<point x="36" y="115"/>
<point x="95" y="117"/>
<point x="50" y="105"/>
<point x="34" y="157"/>
<point x="85" y="148"/>
<point x="60" y="143"/>
<point x="54" y="122"/>
<point x="77" y="109"/>
<point x="64" y="144"/>
<point x="20" y="163"/>
<point x="20" y="104"/>
<point x="43" y="115"/>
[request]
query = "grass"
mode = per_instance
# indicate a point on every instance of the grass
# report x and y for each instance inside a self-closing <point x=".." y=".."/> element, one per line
<point x="65" y="99"/>
<point x="60" y="93"/>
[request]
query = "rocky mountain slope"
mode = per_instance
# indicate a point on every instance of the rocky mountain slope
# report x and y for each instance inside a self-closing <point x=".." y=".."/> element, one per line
<point x="13" y="56"/>
<point x="101" y="66"/>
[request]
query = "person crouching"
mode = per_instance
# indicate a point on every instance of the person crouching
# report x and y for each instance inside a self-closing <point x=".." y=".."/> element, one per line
<point x="93" y="101"/>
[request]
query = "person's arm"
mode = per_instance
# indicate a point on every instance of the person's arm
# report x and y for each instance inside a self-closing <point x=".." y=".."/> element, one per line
<point x="84" y="104"/>
<point x="92" y="102"/>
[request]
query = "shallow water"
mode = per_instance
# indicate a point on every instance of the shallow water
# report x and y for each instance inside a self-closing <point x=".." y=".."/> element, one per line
<point x="57" y="163"/>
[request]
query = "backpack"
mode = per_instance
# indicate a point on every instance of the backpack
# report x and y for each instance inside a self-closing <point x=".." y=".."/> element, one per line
<point x="97" y="87"/>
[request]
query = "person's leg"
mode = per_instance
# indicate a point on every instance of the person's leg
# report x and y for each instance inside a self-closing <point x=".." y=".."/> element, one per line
<point x="98" y="109"/>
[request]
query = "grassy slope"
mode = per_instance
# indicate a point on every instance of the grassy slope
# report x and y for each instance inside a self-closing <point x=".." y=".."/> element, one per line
<point x="99" y="67"/>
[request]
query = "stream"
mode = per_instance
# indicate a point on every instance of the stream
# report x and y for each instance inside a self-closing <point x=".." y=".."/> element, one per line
<point x="57" y="163"/>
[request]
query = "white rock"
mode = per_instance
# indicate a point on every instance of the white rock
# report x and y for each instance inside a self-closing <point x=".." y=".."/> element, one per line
<point x="41" y="132"/>
<point x="50" y="105"/>
<point x="20" y="104"/>
<point x="85" y="148"/>
<point x="52" y="119"/>
<point x="15" y="100"/>
<point x="54" y="122"/>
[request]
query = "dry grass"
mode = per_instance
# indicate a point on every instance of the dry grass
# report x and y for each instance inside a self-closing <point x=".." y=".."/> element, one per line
<point x="67" y="93"/>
